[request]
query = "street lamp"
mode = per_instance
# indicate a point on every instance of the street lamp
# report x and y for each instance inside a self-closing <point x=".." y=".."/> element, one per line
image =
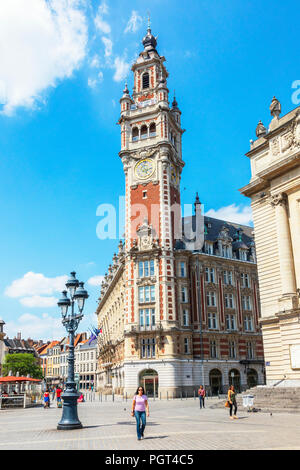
<point x="71" y="321"/>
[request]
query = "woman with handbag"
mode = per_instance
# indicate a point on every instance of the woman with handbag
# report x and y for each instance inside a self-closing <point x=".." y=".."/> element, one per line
<point x="231" y="400"/>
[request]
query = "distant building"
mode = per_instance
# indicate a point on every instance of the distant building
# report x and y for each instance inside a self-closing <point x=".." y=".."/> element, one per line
<point x="86" y="364"/>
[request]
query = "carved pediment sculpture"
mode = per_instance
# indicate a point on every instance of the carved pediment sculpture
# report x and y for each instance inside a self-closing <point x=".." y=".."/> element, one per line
<point x="146" y="237"/>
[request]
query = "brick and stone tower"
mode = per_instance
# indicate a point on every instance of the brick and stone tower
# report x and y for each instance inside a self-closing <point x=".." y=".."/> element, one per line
<point x="151" y="154"/>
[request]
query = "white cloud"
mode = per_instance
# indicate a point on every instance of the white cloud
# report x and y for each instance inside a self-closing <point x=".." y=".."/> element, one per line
<point x="100" y="24"/>
<point x="95" y="62"/>
<point x="92" y="83"/>
<point x="233" y="213"/>
<point x="42" y="327"/>
<point x="35" y="284"/>
<point x="95" y="281"/>
<point x="134" y="22"/>
<point x="121" y="69"/>
<point x="41" y="43"/>
<point x="108" y="46"/>
<point x="39" y="301"/>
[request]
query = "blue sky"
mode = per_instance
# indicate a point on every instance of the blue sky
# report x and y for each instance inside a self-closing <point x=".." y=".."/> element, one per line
<point x="63" y="65"/>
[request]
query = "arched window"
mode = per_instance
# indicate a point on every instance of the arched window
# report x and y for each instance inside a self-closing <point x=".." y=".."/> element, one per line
<point x="152" y="129"/>
<point x="135" y="134"/>
<point x="146" y="80"/>
<point x="144" y="132"/>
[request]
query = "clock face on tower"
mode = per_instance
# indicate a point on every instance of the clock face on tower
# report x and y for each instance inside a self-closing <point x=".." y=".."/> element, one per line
<point x="144" y="169"/>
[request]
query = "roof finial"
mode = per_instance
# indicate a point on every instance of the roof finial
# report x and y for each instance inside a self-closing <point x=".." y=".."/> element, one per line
<point x="149" y="21"/>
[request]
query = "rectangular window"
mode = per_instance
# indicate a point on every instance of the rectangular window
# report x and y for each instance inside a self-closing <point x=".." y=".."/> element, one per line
<point x="147" y="294"/>
<point x="230" y="322"/>
<point x="147" y="317"/>
<point x="184" y="294"/>
<point x="227" y="278"/>
<point x="186" y="345"/>
<point x="226" y="251"/>
<point x="210" y="275"/>
<point x="229" y="300"/>
<point x="146" y="268"/>
<point x="250" y="351"/>
<point x="213" y="349"/>
<point x="246" y="301"/>
<point x="248" y="323"/>
<point x="148" y="347"/>
<point x="185" y="317"/>
<point x="245" y="280"/>
<point x="182" y="269"/>
<point x="232" y="350"/>
<point x="211" y="299"/>
<point x="212" y="321"/>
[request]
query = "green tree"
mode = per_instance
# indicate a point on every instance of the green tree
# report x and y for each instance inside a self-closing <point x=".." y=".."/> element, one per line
<point x="24" y="363"/>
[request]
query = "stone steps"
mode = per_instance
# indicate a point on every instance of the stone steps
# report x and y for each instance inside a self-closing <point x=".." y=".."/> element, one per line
<point x="270" y="399"/>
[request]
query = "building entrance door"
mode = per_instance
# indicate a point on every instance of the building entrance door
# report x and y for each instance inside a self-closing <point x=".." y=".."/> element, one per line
<point x="215" y="382"/>
<point x="149" y="380"/>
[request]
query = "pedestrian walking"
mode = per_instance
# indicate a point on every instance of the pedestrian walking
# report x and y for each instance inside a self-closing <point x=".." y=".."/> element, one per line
<point x="139" y="409"/>
<point x="58" y="396"/>
<point x="47" y="399"/>
<point x="232" y="402"/>
<point x="202" y="395"/>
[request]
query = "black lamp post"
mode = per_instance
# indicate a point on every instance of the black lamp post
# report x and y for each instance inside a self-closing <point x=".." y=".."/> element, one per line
<point x="77" y="292"/>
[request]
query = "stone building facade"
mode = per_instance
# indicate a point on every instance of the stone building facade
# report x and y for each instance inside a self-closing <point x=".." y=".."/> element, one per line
<point x="274" y="190"/>
<point x="179" y="305"/>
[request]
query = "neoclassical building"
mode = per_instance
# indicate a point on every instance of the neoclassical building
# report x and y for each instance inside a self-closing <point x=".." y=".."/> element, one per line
<point x="179" y="306"/>
<point x="274" y="190"/>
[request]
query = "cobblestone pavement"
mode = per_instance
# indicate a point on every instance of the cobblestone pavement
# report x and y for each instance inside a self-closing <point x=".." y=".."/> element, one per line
<point x="172" y="425"/>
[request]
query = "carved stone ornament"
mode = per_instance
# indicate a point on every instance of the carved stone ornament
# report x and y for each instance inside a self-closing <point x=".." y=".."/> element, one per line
<point x="146" y="237"/>
<point x="275" y="149"/>
<point x="287" y="141"/>
<point x="279" y="199"/>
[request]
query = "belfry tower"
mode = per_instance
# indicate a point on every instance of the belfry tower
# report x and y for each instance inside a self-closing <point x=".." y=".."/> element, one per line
<point x="151" y="153"/>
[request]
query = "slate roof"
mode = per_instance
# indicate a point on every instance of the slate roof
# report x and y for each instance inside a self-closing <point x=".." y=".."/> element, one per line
<point x="241" y="234"/>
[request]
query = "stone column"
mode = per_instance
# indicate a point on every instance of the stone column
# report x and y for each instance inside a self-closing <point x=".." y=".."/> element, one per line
<point x="287" y="271"/>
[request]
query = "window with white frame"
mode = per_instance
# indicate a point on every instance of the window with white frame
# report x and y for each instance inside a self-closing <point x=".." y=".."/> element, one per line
<point x="184" y="294"/>
<point x="226" y="251"/>
<point x="147" y="317"/>
<point x="209" y="248"/>
<point x="248" y="323"/>
<point x="210" y="275"/>
<point x="229" y="300"/>
<point x="213" y="349"/>
<point x="243" y="255"/>
<point x="228" y="278"/>
<point x="147" y="294"/>
<point x="230" y="322"/>
<point x="232" y="350"/>
<point x="148" y="347"/>
<point x="182" y="269"/>
<point x="185" y="317"/>
<point x="146" y="268"/>
<point x="246" y="302"/>
<point x="186" y="345"/>
<point x="250" y="350"/>
<point x="212" y="321"/>
<point x="211" y="299"/>
<point x="245" y="280"/>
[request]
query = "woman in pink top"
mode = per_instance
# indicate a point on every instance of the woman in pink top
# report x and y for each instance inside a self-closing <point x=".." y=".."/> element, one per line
<point x="139" y="408"/>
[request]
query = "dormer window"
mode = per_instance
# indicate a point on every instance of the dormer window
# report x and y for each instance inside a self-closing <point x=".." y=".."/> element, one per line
<point x="146" y="80"/>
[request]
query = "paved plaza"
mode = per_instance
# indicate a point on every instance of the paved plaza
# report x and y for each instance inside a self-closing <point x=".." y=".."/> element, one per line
<point x="172" y="425"/>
